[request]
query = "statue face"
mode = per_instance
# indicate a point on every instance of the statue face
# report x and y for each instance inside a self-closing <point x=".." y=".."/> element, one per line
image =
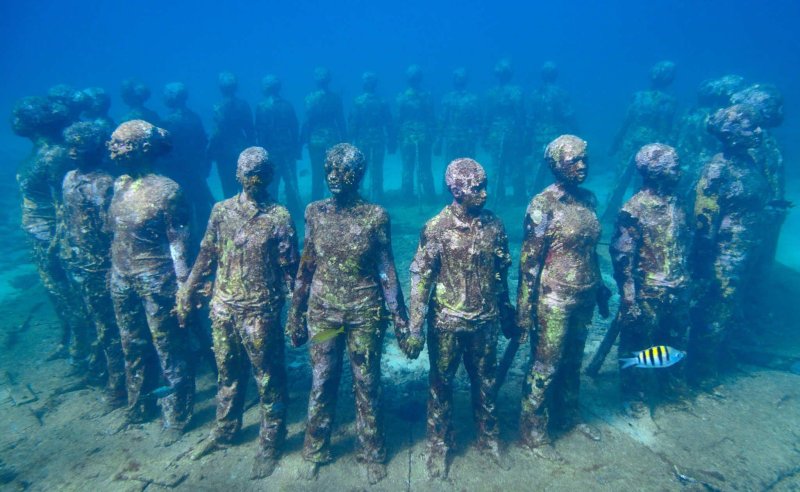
<point x="256" y="185"/>
<point x="470" y="192"/>
<point x="342" y="180"/>
<point x="572" y="168"/>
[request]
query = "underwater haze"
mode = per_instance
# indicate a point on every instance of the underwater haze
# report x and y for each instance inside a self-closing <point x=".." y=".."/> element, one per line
<point x="739" y="432"/>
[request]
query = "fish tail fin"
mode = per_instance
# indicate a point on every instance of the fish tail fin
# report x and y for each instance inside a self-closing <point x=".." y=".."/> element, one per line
<point x="626" y="363"/>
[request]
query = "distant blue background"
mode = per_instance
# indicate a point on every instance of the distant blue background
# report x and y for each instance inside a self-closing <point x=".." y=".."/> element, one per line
<point x="603" y="48"/>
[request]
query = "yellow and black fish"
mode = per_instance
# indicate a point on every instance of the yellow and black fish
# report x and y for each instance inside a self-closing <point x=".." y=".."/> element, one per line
<point x="657" y="357"/>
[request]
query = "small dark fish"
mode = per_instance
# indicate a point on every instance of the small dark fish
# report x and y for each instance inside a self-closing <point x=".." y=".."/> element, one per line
<point x="657" y="357"/>
<point x="326" y="335"/>
<point x="303" y="173"/>
<point x="160" y="392"/>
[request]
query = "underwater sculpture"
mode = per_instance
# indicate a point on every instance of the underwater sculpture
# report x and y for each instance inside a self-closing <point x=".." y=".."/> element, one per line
<point x="86" y="246"/>
<point x="550" y="114"/>
<point x="649" y="251"/>
<point x="559" y="286"/>
<point x="149" y="220"/>
<point x="767" y="102"/>
<point x="503" y="135"/>
<point x="649" y="118"/>
<point x="96" y="108"/>
<point x="416" y="124"/>
<point x="730" y="221"/>
<point x="135" y="94"/>
<point x="278" y="132"/>
<point x="233" y="132"/>
<point x="345" y="291"/>
<point x="372" y="131"/>
<point x="250" y="246"/>
<point x="187" y="163"/>
<point x="459" y="273"/>
<point x="39" y="177"/>
<point x="694" y="143"/>
<point x="323" y="127"/>
<point x="460" y="121"/>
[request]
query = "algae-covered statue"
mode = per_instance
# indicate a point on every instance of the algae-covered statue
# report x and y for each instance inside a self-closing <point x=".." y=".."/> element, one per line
<point x="149" y="218"/>
<point x="372" y="130"/>
<point x="649" y="251"/>
<point x="86" y="244"/>
<point x="323" y="127"/>
<point x="650" y="118"/>
<point x="233" y="131"/>
<point x="459" y="286"/>
<point x="730" y="207"/>
<point x="459" y="120"/>
<point x="505" y="122"/>
<point x="416" y="124"/>
<point x="250" y="246"/>
<point x="345" y="292"/>
<point x="98" y="103"/>
<point x="559" y="286"/>
<point x="39" y="177"/>
<point x="135" y="94"/>
<point x="767" y="102"/>
<point x="278" y="132"/>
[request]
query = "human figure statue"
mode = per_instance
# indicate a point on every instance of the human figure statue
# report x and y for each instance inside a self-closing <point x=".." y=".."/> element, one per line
<point x="73" y="100"/>
<point x="559" y="286"/>
<point x="503" y="135"/>
<point x="149" y="220"/>
<point x="232" y="133"/>
<point x="187" y="163"/>
<point x="42" y="121"/>
<point x="98" y="103"/>
<point x="459" y="120"/>
<point x="767" y="102"/>
<point x="650" y="118"/>
<point x="250" y="247"/>
<point x="323" y="127"/>
<point x="650" y="251"/>
<point x="459" y="285"/>
<point x="85" y="248"/>
<point x="416" y="124"/>
<point x="345" y="292"/>
<point x="730" y="222"/>
<point x="372" y="131"/>
<point x="135" y="94"/>
<point x="550" y="114"/>
<point x="277" y="131"/>
<point x="694" y="143"/>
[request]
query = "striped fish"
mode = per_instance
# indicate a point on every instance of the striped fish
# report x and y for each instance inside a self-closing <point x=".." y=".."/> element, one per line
<point x="656" y="357"/>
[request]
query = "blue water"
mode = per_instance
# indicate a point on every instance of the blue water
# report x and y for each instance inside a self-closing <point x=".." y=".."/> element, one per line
<point x="604" y="51"/>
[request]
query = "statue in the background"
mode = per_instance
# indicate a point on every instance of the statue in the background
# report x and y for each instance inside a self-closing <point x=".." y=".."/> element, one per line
<point x="233" y="132"/>
<point x="416" y="132"/>
<point x="323" y="128"/>
<point x="650" y="118"/>
<point x="372" y="131"/>
<point x="187" y="162"/>
<point x="277" y="131"/>
<point x="459" y="120"/>
<point x="503" y="136"/>
<point x="135" y="94"/>
<point x="550" y="114"/>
